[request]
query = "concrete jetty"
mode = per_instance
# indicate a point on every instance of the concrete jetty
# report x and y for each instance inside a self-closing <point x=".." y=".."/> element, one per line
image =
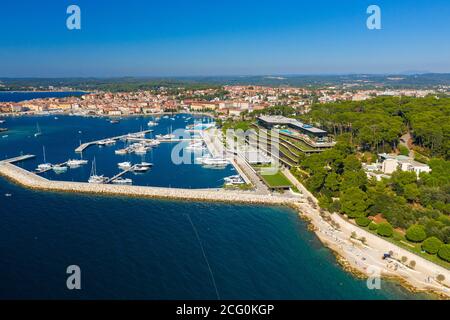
<point x="19" y="158"/>
<point x="83" y="146"/>
<point x="33" y="181"/>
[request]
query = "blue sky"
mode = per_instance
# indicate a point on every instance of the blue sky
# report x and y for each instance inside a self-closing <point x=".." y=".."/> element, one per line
<point x="208" y="37"/>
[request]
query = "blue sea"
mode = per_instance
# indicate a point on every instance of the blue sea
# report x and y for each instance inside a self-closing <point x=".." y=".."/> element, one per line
<point x="129" y="248"/>
<point x="17" y="96"/>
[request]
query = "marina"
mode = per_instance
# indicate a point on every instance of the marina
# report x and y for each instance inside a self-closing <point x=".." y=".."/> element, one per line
<point x="106" y="141"/>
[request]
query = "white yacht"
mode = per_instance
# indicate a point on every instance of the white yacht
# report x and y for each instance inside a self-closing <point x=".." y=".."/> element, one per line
<point x="152" y="123"/>
<point x="44" y="166"/>
<point x="94" y="178"/>
<point x="231" y="180"/>
<point x="142" y="167"/>
<point x="141" y="150"/>
<point x="121" y="151"/>
<point x="124" y="165"/>
<point x="59" y="169"/>
<point x="123" y="181"/>
<point x="212" y="161"/>
<point x="73" y="163"/>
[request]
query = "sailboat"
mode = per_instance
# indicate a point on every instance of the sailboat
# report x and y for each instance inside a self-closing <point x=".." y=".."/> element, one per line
<point x="44" y="166"/>
<point x="38" y="131"/>
<point x="94" y="178"/>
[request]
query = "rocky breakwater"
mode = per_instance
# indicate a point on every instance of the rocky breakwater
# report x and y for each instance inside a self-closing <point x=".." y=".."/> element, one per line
<point x="33" y="181"/>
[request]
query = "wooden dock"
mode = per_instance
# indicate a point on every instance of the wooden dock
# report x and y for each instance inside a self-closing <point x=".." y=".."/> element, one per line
<point x="84" y="146"/>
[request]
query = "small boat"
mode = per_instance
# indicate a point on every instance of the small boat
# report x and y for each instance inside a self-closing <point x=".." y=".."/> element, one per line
<point x="141" y="168"/>
<point x="232" y="180"/>
<point x="152" y="123"/>
<point x="94" y="178"/>
<point x="38" y="131"/>
<point x="124" y="165"/>
<point x="140" y="150"/>
<point x="56" y="118"/>
<point x="59" y="169"/>
<point x="5" y="136"/>
<point x="114" y="121"/>
<point x="44" y="166"/>
<point x="3" y="129"/>
<point x="76" y="163"/>
<point x="145" y="164"/>
<point x="2" y="121"/>
<point x="123" y="181"/>
<point x="212" y="161"/>
<point x="8" y="195"/>
<point x="121" y="151"/>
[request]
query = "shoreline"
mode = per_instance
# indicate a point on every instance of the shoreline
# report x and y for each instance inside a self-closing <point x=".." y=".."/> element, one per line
<point x="354" y="256"/>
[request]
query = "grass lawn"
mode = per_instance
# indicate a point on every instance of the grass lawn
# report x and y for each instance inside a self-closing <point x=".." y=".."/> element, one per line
<point x="276" y="180"/>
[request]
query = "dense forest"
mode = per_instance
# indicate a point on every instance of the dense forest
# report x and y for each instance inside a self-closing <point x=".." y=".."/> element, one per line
<point x="406" y="208"/>
<point x="377" y="124"/>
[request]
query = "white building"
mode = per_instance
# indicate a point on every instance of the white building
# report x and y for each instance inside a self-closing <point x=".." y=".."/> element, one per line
<point x="392" y="163"/>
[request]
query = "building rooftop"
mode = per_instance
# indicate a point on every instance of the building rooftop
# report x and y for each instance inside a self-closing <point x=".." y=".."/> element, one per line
<point x="281" y="120"/>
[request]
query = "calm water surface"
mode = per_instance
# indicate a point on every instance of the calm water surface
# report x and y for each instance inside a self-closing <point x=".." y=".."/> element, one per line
<point x="147" y="249"/>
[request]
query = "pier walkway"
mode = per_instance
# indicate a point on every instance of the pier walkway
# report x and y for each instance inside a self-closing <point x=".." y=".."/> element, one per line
<point x="19" y="158"/>
<point x="83" y="146"/>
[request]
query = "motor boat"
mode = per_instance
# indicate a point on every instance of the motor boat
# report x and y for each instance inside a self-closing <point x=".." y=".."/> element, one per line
<point x="124" y="165"/>
<point x="59" y="169"/>
<point x="76" y="163"/>
<point x="121" y="151"/>
<point x="152" y="123"/>
<point x="142" y="167"/>
<point x="44" y="167"/>
<point x="212" y="161"/>
<point x="123" y="181"/>
<point x="141" y="150"/>
<point x="231" y="180"/>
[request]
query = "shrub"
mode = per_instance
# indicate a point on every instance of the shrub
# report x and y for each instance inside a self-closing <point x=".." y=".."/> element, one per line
<point x="412" y="264"/>
<point x="403" y="150"/>
<point x="385" y="229"/>
<point x="373" y="226"/>
<point x="440" y="278"/>
<point x="363" y="221"/>
<point x="444" y="252"/>
<point x="432" y="245"/>
<point x="416" y="233"/>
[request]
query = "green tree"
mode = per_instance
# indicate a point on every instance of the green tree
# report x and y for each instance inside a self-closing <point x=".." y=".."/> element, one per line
<point x="432" y="245"/>
<point x="416" y="233"/>
<point x="385" y="229"/>
<point x="354" y="202"/>
<point x="411" y="192"/>
<point x="444" y="252"/>
<point x="362" y="221"/>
